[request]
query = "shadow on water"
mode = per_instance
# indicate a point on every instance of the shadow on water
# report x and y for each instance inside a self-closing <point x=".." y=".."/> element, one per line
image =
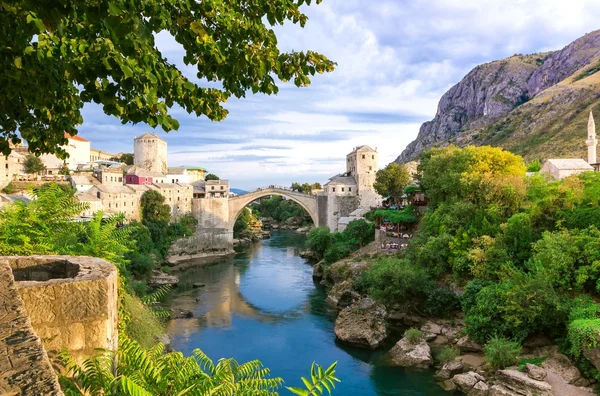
<point x="263" y="304"/>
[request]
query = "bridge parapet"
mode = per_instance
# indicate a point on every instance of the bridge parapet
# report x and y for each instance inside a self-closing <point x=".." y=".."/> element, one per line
<point x="307" y="201"/>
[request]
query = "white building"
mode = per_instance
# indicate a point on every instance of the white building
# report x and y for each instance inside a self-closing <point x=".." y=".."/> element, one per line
<point x="560" y="168"/>
<point x="177" y="175"/>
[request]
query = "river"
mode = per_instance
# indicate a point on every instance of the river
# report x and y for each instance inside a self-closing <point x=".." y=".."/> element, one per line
<point x="263" y="304"/>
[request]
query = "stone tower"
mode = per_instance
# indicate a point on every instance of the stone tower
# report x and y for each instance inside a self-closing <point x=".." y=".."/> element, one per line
<point x="592" y="141"/>
<point x="150" y="153"/>
<point x="362" y="164"/>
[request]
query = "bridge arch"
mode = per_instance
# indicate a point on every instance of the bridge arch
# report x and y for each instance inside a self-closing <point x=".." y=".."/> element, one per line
<point x="307" y="201"/>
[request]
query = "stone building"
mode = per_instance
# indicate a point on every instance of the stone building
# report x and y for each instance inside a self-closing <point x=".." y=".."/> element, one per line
<point x="78" y="149"/>
<point x="11" y="167"/>
<point x="150" y="153"/>
<point x="126" y="198"/>
<point x="195" y="173"/>
<point x="349" y="191"/>
<point x="99" y="155"/>
<point x="177" y="175"/>
<point x="139" y="176"/>
<point x="560" y="168"/>
<point x="111" y="175"/>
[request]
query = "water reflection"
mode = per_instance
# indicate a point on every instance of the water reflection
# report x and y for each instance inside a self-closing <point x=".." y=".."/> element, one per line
<point x="263" y="304"/>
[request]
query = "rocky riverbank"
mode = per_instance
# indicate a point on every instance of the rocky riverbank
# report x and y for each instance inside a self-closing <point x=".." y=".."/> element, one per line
<point x="365" y="323"/>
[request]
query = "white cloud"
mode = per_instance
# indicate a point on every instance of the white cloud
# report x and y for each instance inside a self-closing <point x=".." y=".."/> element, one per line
<point x="395" y="59"/>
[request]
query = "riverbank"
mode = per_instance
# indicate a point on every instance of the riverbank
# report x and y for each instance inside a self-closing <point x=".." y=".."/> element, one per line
<point x="440" y="344"/>
<point x="263" y="304"/>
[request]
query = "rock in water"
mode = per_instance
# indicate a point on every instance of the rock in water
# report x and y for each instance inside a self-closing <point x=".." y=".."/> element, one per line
<point x="362" y="324"/>
<point x="465" y="382"/>
<point x="406" y="354"/>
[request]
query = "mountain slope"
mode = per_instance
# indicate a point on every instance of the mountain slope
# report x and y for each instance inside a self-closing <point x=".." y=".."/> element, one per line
<point x="534" y="105"/>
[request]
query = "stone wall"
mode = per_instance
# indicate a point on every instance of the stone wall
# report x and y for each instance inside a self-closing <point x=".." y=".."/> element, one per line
<point x="211" y="213"/>
<point x="208" y="242"/>
<point x="150" y="153"/>
<point x="24" y="365"/>
<point x="339" y="207"/>
<point x="71" y="301"/>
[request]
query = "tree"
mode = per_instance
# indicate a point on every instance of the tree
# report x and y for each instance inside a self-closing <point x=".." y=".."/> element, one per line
<point x="211" y="176"/>
<point x="64" y="170"/>
<point x="296" y="187"/>
<point x="391" y="180"/>
<point x="154" y="210"/>
<point x="316" y="186"/>
<point x="486" y="176"/>
<point x="126" y="158"/>
<point x="56" y="59"/>
<point x="33" y="165"/>
<point x="306" y="188"/>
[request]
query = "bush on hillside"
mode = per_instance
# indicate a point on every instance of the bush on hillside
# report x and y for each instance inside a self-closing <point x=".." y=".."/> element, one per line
<point x="441" y="302"/>
<point x="447" y="354"/>
<point x="501" y="352"/>
<point x="520" y="305"/>
<point x="319" y="240"/>
<point x="337" y="251"/>
<point x="396" y="281"/>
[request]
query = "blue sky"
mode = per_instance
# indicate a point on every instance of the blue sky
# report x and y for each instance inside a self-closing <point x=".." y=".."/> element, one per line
<point x="395" y="60"/>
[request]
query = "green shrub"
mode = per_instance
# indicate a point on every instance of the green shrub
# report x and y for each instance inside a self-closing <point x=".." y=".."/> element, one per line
<point x="319" y="240"/>
<point x="143" y="326"/>
<point x="583" y="334"/>
<point x="520" y="305"/>
<point x="140" y="265"/>
<point x="359" y="232"/>
<point x="139" y="288"/>
<point x="10" y="188"/>
<point x="166" y="269"/>
<point x="414" y="336"/>
<point x="441" y="302"/>
<point x="396" y="281"/>
<point x="448" y="353"/>
<point x="501" y="352"/>
<point x="468" y="299"/>
<point x="337" y="251"/>
<point x="535" y="361"/>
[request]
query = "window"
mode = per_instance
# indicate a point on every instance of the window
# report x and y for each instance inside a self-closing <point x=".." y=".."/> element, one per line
<point x="222" y="187"/>
<point x="98" y="194"/>
<point x="124" y="203"/>
<point x="121" y="179"/>
<point x="179" y="198"/>
<point x="333" y="189"/>
<point x="146" y="179"/>
<point x="373" y="156"/>
<point x="177" y="180"/>
<point x="363" y="156"/>
<point x="6" y="166"/>
<point x="342" y="189"/>
<point x="212" y="187"/>
<point x="109" y="205"/>
<point x="350" y="189"/>
<point x="370" y="168"/>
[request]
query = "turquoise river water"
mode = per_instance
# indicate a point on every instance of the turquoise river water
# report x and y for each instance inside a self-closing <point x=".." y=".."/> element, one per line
<point x="263" y="304"/>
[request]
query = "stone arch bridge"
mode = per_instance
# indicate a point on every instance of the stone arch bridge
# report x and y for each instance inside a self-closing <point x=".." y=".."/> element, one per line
<point x="308" y="202"/>
<point x="216" y="218"/>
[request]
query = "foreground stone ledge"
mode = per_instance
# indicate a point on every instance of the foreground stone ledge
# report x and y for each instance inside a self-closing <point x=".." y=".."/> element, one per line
<point x="24" y="365"/>
<point x="71" y="302"/>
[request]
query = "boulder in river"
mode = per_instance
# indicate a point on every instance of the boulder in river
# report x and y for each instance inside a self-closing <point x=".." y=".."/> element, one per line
<point x="407" y="354"/>
<point x="362" y="324"/>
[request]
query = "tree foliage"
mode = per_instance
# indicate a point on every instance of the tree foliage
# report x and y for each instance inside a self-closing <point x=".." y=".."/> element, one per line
<point x="33" y="164"/>
<point x="154" y="209"/>
<point x="133" y="370"/>
<point x="211" y="176"/>
<point x="487" y="176"/>
<point x="391" y="180"/>
<point x="57" y="59"/>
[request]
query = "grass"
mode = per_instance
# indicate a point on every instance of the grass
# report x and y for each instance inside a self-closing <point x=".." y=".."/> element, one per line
<point x="535" y="361"/>
<point x="144" y="327"/>
<point x="414" y="336"/>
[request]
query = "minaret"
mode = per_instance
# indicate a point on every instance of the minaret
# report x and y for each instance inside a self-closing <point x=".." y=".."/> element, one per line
<point x="592" y="142"/>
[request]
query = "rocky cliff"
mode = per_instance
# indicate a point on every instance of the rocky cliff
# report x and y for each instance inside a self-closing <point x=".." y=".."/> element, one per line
<point x="535" y="105"/>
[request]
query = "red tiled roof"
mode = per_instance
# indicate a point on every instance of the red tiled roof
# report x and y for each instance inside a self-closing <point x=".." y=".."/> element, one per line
<point x="76" y="137"/>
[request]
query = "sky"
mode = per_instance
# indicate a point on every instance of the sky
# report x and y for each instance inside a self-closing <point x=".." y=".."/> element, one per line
<point x="395" y="58"/>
